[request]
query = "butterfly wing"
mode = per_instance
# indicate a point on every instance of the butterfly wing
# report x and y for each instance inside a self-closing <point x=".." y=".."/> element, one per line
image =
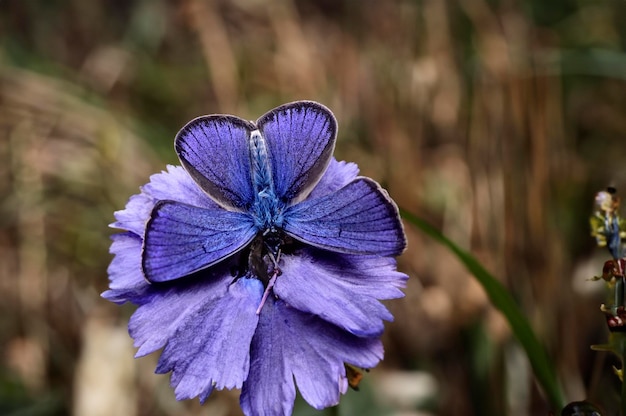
<point x="181" y="239"/>
<point x="214" y="151"/>
<point x="359" y="218"/>
<point x="300" y="137"/>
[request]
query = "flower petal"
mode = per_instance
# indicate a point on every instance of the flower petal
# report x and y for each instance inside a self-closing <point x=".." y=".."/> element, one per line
<point x="126" y="280"/>
<point x="300" y="137"/>
<point x="165" y="307"/>
<point x="181" y="239"/>
<point x="208" y="331"/>
<point x="359" y="218"/>
<point x="340" y="288"/>
<point x="214" y="150"/>
<point x="133" y="217"/>
<point x="174" y="184"/>
<point x="292" y="344"/>
<point x="337" y="175"/>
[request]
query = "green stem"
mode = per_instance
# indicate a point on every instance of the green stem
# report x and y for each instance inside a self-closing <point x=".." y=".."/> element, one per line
<point x="619" y="295"/>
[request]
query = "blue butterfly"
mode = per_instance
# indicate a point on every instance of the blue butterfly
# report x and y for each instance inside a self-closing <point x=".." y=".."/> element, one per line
<point x="262" y="174"/>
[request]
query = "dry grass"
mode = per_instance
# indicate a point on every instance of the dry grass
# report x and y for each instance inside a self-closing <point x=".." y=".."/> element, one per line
<point x="497" y="120"/>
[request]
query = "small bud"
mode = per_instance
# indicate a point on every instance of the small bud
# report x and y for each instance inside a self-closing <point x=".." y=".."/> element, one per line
<point x="582" y="408"/>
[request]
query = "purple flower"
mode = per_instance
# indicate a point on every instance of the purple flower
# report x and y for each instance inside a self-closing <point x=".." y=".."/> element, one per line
<point x="260" y="263"/>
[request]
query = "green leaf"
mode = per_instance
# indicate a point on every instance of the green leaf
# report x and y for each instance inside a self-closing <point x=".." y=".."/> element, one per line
<point x="504" y="302"/>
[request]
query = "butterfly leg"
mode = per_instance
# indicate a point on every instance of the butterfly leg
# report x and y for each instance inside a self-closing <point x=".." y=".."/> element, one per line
<point x="270" y="284"/>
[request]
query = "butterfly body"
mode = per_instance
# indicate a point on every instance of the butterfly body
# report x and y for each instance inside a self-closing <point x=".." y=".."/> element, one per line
<point x="267" y="209"/>
<point x="259" y="265"/>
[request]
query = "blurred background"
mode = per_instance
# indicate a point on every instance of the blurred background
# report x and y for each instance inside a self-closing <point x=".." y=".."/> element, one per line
<point x="496" y="120"/>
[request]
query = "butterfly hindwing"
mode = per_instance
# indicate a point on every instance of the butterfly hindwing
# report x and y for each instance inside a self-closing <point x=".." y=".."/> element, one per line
<point x="181" y="239"/>
<point x="359" y="218"/>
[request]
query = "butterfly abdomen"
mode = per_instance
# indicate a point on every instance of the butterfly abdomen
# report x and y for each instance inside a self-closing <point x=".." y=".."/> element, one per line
<point x="267" y="207"/>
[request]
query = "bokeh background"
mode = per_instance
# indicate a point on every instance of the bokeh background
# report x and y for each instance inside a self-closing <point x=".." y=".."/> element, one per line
<point x="496" y="120"/>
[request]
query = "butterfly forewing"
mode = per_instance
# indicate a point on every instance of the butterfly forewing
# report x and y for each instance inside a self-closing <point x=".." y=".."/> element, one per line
<point x="300" y="137"/>
<point x="214" y="151"/>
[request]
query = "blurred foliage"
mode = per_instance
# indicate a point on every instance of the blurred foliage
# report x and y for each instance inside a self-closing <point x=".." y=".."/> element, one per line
<point x="496" y="120"/>
<point x="502" y="300"/>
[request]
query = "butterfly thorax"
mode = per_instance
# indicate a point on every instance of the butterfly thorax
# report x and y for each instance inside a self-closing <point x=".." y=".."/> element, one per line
<point x="268" y="208"/>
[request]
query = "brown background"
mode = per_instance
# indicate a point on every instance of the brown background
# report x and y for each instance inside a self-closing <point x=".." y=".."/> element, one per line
<point x="497" y="120"/>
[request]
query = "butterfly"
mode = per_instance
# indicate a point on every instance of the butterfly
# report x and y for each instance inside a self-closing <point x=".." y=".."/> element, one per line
<point x="260" y="176"/>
